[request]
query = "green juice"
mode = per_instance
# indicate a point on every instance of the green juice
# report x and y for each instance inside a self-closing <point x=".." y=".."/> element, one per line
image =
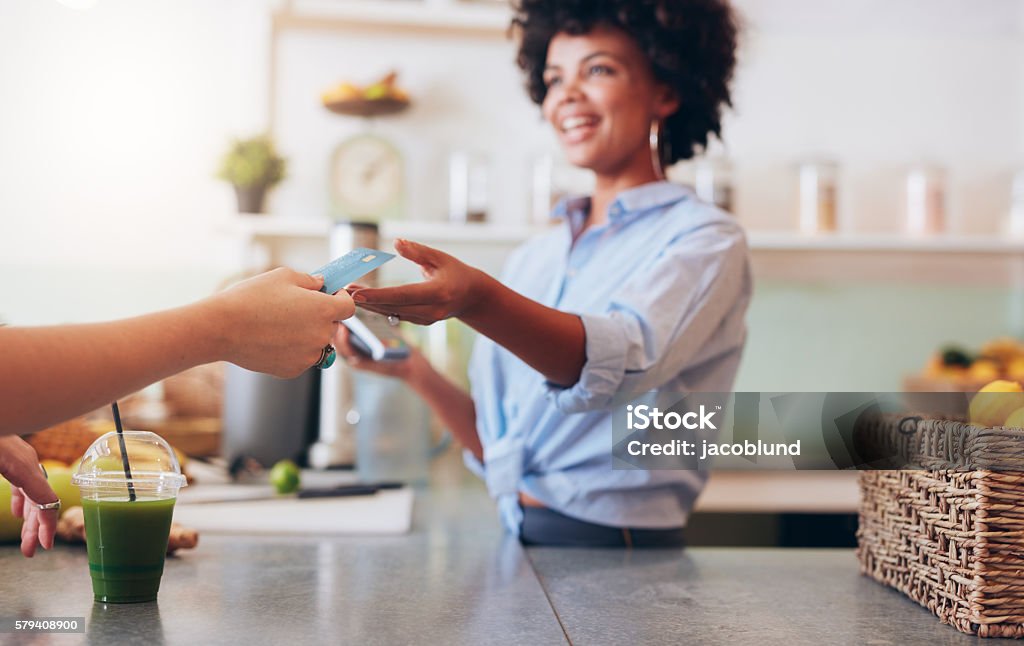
<point x="127" y="542"/>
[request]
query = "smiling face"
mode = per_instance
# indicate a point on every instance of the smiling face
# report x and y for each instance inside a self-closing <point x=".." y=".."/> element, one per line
<point x="601" y="100"/>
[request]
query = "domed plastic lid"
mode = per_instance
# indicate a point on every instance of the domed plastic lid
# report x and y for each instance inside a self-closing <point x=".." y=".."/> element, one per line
<point x="153" y="466"/>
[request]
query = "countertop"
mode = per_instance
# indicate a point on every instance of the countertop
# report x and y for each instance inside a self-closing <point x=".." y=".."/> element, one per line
<point x="770" y="492"/>
<point x="456" y="579"/>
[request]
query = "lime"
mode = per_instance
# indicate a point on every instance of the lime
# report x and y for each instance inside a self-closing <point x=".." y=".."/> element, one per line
<point x="285" y="476"/>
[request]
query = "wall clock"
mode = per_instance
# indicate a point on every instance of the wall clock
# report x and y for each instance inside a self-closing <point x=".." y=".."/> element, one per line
<point x="367" y="179"/>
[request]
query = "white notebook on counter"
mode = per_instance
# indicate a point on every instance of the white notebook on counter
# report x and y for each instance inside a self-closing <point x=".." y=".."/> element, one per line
<point x="386" y="512"/>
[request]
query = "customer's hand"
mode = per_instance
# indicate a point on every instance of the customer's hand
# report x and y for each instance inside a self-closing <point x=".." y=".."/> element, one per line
<point x="404" y="369"/>
<point x="19" y="464"/>
<point x="278" y="322"/>
<point x="451" y="289"/>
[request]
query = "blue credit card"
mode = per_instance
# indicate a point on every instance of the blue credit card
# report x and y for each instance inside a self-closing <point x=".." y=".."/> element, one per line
<point x="348" y="268"/>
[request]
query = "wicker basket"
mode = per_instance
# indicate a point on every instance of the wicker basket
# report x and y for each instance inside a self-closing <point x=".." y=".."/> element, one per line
<point x="951" y="539"/>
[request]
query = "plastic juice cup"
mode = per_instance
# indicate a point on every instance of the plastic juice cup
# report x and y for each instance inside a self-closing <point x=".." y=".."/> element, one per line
<point x="128" y="519"/>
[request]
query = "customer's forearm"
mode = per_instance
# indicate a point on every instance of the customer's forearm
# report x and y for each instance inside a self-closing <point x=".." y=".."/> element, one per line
<point x="50" y="374"/>
<point x="449" y="402"/>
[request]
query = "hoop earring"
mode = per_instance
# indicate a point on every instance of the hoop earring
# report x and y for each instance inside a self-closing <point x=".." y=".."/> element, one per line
<point x="656" y="149"/>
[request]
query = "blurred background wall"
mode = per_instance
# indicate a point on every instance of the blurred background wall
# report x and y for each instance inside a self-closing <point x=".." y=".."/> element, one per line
<point x="113" y="119"/>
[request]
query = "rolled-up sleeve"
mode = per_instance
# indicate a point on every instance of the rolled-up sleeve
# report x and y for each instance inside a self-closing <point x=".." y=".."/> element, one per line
<point x="669" y="317"/>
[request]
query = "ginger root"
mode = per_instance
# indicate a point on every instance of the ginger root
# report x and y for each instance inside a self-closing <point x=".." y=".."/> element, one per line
<point x="181" y="538"/>
<point x="71" y="528"/>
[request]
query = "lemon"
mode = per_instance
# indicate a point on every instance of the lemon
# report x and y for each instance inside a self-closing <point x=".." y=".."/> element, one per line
<point x="1016" y="419"/>
<point x="995" y="402"/>
<point x="69" y="494"/>
<point x="285" y="477"/>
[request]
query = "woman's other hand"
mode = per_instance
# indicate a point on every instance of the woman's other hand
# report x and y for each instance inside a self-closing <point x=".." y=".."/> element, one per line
<point x="451" y="288"/>
<point x="19" y="464"/>
<point x="404" y="369"/>
<point x="278" y="322"/>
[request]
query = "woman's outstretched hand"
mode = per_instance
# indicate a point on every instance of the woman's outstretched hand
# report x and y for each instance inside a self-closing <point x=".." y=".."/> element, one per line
<point x="451" y="288"/>
<point x="550" y="341"/>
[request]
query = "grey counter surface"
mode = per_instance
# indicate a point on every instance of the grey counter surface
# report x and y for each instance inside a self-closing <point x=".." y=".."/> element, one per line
<point x="458" y="580"/>
<point x="762" y="596"/>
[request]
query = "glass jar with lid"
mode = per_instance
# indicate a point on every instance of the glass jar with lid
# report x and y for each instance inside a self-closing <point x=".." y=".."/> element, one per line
<point x="468" y="187"/>
<point x="926" y="200"/>
<point x="1015" y="221"/>
<point x="713" y="181"/>
<point x="818" y="189"/>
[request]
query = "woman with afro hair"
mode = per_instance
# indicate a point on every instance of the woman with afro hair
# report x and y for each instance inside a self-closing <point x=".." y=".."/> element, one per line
<point x="640" y="291"/>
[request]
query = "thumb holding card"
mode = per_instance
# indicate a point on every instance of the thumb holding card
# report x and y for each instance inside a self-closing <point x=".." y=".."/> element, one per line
<point x="287" y="323"/>
<point x="350" y="267"/>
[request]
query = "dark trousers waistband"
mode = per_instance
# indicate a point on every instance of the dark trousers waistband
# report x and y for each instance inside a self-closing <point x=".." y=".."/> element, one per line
<point x="543" y="526"/>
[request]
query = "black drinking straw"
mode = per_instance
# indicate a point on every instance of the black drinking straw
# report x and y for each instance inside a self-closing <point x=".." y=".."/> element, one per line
<point x="124" y="452"/>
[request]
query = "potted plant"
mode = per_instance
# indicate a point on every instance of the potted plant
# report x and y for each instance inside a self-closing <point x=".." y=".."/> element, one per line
<point x="252" y="166"/>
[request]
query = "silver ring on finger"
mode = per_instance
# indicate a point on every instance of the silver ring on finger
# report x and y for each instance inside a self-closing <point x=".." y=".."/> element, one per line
<point x="49" y="505"/>
<point x="393" y="320"/>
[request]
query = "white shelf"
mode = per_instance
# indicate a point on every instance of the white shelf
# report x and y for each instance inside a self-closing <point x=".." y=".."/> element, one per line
<point x="447" y="16"/>
<point x="277" y="226"/>
<point x="267" y="227"/>
<point x="973" y="244"/>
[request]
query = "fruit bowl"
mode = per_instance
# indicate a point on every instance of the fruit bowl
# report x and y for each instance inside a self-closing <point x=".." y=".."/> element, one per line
<point x="375" y="100"/>
<point x="357" y="107"/>
<point x="957" y="369"/>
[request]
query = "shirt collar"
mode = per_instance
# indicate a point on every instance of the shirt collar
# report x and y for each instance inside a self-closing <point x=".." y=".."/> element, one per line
<point x="632" y="201"/>
<point x="573" y="210"/>
<point x="567" y="206"/>
<point x="646" y="197"/>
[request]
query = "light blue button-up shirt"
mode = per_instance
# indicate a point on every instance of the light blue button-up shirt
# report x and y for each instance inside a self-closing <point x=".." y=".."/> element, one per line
<point x="662" y="289"/>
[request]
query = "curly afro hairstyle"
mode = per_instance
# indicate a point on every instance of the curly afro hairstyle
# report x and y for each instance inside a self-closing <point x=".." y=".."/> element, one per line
<point x="691" y="45"/>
